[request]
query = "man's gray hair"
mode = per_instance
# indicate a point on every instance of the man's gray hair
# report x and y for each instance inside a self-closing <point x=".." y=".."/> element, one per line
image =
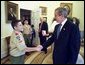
<point x="62" y="11"/>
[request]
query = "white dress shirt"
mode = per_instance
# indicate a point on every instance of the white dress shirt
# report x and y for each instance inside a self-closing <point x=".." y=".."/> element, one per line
<point x="63" y="23"/>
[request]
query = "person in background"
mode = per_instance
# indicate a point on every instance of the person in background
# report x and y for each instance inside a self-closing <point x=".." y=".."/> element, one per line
<point x="27" y="32"/>
<point x="52" y="27"/>
<point x="43" y="32"/>
<point x="33" y="36"/>
<point x="76" y="21"/>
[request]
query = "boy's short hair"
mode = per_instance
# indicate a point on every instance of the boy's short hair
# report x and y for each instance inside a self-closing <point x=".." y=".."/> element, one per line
<point x="14" y="23"/>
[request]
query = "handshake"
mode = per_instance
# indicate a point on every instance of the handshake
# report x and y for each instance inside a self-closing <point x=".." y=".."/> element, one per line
<point x="38" y="48"/>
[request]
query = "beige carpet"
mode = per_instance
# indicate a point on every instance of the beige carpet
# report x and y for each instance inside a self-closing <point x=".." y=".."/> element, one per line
<point x="40" y="57"/>
<point x="35" y="58"/>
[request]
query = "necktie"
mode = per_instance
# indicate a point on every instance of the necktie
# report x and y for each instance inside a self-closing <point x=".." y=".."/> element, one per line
<point x="58" y="29"/>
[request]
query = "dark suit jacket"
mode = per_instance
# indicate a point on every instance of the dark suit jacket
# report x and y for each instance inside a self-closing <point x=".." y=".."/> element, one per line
<point x="66" y="47"/>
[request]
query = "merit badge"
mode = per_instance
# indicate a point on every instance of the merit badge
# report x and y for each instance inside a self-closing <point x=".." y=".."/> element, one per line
<point x="18" y="37"/>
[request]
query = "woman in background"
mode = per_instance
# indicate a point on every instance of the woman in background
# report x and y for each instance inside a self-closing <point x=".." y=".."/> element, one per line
<point x="43" y="32"/>
<point x="76" y="21"/>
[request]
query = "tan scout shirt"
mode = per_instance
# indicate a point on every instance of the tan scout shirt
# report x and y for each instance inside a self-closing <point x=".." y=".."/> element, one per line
<point x="17" y="44"/>
<point x="27" y="29"/>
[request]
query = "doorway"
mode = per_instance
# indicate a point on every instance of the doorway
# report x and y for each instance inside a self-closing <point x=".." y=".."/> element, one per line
<point x="25" y="14"/>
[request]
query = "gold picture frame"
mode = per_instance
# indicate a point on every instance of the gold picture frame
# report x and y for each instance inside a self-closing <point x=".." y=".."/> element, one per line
<point x="43" y="10"/>
<point x="69" y="6"/>
<point x="11" y="6"/>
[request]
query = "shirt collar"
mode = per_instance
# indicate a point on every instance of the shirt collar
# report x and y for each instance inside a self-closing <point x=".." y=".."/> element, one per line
<point x="64" y="22"/>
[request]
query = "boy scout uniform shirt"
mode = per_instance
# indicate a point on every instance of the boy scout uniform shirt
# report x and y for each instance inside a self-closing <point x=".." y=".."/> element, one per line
<point x="27" y="29"/>
<point x="17" y="44"/>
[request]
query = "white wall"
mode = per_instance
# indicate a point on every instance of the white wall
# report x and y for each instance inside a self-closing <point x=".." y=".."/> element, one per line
<point x="6" y="29"/>
<point x="77" y="11"/>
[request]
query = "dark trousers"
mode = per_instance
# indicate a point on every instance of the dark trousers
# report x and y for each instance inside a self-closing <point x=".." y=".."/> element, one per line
<point x="42" y="41"/>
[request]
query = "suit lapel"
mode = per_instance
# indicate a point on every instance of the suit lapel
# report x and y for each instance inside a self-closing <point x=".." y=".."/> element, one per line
<point x="64" y="28"/>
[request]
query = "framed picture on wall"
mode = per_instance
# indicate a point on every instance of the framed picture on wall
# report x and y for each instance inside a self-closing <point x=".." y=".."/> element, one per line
<point x="25" y="14"/>
<point x="11" y="11"/>
<point x="69" y="7"/>
<point x="43" y="10"/>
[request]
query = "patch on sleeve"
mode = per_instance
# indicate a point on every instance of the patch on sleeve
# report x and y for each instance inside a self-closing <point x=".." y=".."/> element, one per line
<point x="18" y="37"/>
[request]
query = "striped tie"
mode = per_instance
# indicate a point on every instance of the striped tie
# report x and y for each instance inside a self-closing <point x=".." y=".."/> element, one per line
<point x="58" y="29"/>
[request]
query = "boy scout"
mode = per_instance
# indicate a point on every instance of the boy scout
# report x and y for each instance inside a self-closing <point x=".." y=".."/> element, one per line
<point x="27" y="33"/>
<point x="17" y="44"/>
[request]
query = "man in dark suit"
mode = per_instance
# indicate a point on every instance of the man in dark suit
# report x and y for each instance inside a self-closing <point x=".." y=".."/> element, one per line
<point x="66" y="38"/>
